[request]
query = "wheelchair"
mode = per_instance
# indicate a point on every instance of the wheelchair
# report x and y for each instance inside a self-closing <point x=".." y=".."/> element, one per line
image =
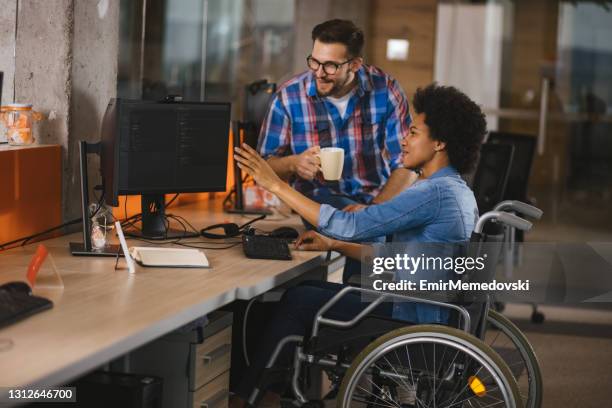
<point x="381" y="362"/>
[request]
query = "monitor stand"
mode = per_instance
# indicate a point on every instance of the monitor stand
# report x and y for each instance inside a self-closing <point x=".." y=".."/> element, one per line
<point x="79" y="249"/>
<point x="154" y="221"/>
<point x="85" y="248"/>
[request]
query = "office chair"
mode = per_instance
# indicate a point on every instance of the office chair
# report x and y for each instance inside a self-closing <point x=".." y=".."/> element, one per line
<point x="258" y="97"/>
<point x="257" y="100"/>
<point x="516" y="189"/>
<point x="520" y="169"/>
<point x="491" y="175"/>
<point x="522" y="162"/>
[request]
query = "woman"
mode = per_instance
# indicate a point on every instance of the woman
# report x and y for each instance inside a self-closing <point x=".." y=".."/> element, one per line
<point x="444" y="139"/>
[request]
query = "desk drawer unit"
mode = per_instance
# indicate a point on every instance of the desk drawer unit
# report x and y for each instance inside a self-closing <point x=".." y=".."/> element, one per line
<point x="194" y="364"/>
<point x="211" y="358"/>
<point x="215" y="394"/>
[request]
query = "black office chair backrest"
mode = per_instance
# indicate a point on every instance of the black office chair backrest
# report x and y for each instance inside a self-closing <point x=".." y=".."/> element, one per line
<point x="522" y="162"/>
<point x="491" y="176"/>
<point x="487" y="247"/>
<point x="258" y="96"/>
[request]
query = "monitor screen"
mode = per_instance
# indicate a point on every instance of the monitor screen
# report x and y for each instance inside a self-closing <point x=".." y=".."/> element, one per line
<point x="158" y="148"/>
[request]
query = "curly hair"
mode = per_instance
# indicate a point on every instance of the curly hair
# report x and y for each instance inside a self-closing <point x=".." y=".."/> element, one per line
<point x="454" y="119"/>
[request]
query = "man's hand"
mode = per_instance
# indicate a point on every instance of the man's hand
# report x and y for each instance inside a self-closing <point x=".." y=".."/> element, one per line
<point x="354" y="207"/>
<point x="307" y="163"/>
<point x="251" y="162"/>
<point x="313" y="241"/>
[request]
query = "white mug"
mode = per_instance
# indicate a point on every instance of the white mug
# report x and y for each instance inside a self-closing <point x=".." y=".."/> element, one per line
<point x="332" y="162"/>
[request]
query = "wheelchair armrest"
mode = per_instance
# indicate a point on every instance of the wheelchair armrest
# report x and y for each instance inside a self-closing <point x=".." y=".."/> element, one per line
<point x="502" y="217"/>
<point x="379" y="297"/>
<point x="519" y="207"/>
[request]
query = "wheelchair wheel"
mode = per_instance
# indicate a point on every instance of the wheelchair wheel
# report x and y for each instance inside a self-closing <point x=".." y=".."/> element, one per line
<point x="428" y="366"/>
<point x="512" y="345"/>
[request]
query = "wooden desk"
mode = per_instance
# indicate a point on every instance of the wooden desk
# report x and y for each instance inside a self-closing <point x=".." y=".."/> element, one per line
<point x="103" y="313"/>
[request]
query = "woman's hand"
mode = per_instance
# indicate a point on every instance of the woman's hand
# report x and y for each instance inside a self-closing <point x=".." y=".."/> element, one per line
<point x="251" y="162"/>
<point x="313" y="241"/>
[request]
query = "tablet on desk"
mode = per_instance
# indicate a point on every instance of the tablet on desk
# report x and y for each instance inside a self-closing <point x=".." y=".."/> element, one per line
<point x="161" y="257"/>
<point x="169" y="257"/>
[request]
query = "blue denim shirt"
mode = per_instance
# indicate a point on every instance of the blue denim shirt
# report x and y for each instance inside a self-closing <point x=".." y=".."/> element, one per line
<point x="439" y="209"/>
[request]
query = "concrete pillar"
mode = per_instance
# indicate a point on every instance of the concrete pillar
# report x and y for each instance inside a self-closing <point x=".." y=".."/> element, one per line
<point x="43" y="63"/>
<point x="7" y="49"/>
<point x="95" y="45"/>
<point x="65" y="64"/>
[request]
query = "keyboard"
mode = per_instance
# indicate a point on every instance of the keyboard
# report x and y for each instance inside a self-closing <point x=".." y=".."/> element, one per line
<point x="17" y="306"/>
<point x="263" y="247"/>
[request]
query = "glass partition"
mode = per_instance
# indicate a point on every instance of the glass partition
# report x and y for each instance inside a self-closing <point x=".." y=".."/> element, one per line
<point x="203" y="49"/>
<point x="542" y="69"/>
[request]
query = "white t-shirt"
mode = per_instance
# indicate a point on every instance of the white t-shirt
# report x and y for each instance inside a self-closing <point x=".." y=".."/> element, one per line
<point x="341" y="103"/>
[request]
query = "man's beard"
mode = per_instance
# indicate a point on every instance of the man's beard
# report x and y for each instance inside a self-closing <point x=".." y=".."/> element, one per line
<point x="335" y="89"/>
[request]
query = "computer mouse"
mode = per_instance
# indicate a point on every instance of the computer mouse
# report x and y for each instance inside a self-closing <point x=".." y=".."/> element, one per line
<point x="16" y="287"/>
<point x="285" y="233"/>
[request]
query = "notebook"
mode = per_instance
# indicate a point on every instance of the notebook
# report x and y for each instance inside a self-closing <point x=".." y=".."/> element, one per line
<point x="169" y="257"/>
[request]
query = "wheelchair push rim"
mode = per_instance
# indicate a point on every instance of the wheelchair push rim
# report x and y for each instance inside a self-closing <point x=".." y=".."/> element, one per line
<point x="469" y="385"/>
<point x="529" y="380"/>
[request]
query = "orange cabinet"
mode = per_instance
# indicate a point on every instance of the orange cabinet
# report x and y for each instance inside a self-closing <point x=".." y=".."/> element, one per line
<point x="30" y="190"/>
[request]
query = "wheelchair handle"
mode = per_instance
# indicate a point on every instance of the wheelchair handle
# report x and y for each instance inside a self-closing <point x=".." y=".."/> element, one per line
<point x="519" y="207"/>
<point x="503" y="217"/>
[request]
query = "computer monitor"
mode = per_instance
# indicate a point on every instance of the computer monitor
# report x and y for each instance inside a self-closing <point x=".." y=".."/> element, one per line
<point x="157" y="148"/>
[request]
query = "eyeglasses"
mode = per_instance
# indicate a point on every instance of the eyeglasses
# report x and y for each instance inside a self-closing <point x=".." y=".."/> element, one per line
<point x="329" y="67"/>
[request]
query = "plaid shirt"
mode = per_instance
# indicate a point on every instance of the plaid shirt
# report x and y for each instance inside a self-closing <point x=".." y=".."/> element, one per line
<point x="375" y="120"/>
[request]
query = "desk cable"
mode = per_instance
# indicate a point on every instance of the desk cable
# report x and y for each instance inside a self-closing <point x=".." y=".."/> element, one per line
<point x="23" y="241"/>
<point x="186" y="226"/>
<point x="199" y="244"/>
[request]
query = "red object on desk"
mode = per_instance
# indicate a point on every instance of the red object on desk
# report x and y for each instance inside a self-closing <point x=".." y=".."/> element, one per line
<point x="36" y="263"/>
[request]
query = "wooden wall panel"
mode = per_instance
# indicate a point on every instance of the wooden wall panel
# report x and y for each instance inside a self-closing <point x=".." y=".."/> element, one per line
<point x="414" y="21"/>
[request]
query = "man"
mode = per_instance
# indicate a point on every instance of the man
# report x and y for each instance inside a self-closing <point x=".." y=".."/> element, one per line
<point x="339" y="102"/>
